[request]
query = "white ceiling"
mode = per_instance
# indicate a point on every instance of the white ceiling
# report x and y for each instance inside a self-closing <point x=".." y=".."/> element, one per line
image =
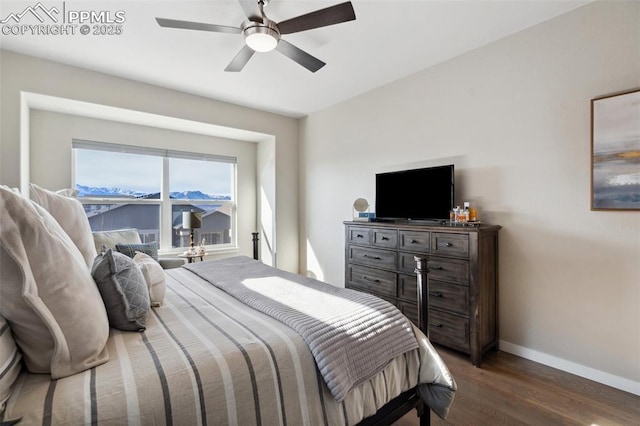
<point x="387" y="41"/>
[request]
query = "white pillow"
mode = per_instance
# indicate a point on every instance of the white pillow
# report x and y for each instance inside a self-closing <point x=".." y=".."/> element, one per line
<point x="68" y="192"/>
<point x="47" y="294"/>
<point x="154" y="276"/>
<point x="69" y="213"/>
<point x="109" y="239"/>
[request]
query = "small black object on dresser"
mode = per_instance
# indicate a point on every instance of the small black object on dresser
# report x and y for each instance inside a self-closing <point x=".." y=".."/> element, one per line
<point x="462" y="277"/>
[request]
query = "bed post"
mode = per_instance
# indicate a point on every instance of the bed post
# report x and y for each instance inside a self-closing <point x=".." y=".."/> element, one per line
<point x="423" y="294"/>
<point x="424" y="412"/>
<point x="424" y="415"/>
<point x="425" y="419"/>
<point x="255" y="245"/>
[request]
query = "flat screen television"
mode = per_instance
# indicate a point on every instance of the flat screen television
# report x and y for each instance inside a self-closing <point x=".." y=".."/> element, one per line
<point x="417" y="194"/>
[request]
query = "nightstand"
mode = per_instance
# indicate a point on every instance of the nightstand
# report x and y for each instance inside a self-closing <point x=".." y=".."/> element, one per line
<point x="192" y="257"/>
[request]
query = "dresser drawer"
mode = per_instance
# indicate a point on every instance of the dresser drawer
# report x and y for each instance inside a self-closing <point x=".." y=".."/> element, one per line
<point x="449" y="297"/>
<point x="417" y="241"/>
<point x="408" y="287"/>
<point x="450" y="244"/>
<point x="386" y="238"/>
<point x="449" y="330"/>
<point x="373" y="257"/>
<point x="374" y="280"/>
<point x="410" y="310"/>
<point x="444" y="269"/>
<point x="358" y="235"/>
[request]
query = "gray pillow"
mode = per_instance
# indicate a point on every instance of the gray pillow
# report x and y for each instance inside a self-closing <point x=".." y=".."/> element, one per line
<point x="123" y="289"/>
<point x="130" y="250"/>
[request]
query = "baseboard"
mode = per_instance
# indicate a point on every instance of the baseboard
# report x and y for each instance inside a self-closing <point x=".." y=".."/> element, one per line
<point x="572" y="367"/>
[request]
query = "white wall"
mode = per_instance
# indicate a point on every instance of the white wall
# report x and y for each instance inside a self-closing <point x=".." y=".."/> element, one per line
<point x="266" y="193"/>
<point x="19" y="73"/>
<point x="514" y="117"/>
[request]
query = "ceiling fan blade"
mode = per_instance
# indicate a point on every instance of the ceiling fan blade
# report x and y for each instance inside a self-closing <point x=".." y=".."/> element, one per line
<point x="240" y="60"/>
<point x="311" y="63"/>
<point x="251" y="9"/>
<point x="188" y="25"/>
<point x="320" y="18"/>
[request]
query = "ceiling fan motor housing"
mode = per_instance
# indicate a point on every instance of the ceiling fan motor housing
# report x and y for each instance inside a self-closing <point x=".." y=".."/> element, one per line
<point x="261" y="36"/>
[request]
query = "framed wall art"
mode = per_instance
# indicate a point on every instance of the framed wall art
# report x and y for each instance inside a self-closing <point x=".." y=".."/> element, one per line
<point x="615" y="151"/>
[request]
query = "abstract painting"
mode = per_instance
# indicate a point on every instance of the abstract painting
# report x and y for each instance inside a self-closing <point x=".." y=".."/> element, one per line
<point x="615" y="151"/>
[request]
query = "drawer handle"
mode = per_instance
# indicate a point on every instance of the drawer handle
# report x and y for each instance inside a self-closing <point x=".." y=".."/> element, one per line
<point x="371" y="257"/>
<point x="414" y="242"/>
<point x="449" y="244"/>
<point x="438" y="294"/>
<point x="384" y="238"/>
<point x="435" y="325"/>
<point x="359" y="236"/>
<point x="373" y="280"/>
<point x="438" y="268"/>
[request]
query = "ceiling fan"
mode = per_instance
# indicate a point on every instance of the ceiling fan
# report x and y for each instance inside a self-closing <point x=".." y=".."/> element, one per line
<point x="263" y="35"/>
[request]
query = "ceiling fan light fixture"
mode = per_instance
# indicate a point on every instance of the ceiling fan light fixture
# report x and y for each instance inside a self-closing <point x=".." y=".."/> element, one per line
<point x="261" y="37"/>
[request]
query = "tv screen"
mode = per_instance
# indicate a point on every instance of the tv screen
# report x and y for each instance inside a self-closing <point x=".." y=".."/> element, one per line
<point x="418" y="194"/>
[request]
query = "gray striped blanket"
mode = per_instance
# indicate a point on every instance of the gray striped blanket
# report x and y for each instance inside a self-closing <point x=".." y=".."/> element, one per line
<point x="352" y="335"/>
<point x="208" y="359"/>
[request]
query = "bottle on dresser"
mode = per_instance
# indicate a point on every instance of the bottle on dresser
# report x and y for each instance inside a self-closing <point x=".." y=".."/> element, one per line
<point x="470" y="213"/>
<point x="465" y="212"/>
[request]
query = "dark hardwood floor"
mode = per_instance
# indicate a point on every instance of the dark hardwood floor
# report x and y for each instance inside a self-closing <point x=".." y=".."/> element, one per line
<point x="509" y="390"/>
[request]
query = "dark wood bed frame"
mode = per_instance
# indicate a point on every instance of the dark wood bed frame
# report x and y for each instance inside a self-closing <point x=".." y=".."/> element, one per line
<point x="398" y="407"/>
<point x="409" y="400"/>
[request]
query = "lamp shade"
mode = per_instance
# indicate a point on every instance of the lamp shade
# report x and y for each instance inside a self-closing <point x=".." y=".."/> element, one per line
<point x="261" y="42"/>
<point x="191" y="220"/>
<point x="261" y="36"/>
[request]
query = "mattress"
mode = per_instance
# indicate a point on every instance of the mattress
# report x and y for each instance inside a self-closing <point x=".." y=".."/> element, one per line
<point x="206" y="358"/>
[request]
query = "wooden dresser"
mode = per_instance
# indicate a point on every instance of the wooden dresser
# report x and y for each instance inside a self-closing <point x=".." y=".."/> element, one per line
<point x="462" y="278"/>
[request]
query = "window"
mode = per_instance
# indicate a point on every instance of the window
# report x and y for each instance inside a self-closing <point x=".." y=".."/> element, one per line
<point x="125" y="186"/>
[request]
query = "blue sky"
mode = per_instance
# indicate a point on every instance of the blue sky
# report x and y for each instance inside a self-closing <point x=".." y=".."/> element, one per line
<point x="143" y="173"/>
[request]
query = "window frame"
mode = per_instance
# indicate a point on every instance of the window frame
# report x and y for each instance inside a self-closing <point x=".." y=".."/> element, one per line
<point x="165" y="202"/>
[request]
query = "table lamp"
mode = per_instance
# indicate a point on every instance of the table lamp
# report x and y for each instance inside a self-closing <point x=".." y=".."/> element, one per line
<point x="191" y="221"/>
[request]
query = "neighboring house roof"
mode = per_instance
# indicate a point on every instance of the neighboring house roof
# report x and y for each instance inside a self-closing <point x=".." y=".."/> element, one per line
<point x="112" y="208"/>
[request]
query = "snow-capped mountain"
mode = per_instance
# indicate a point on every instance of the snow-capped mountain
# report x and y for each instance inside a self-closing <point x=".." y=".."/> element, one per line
<point x="196" y="195"/>
<point x="90" y="191"/>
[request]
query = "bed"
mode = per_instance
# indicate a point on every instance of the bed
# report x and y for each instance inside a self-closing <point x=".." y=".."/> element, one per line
<point x="207" y="357"/>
